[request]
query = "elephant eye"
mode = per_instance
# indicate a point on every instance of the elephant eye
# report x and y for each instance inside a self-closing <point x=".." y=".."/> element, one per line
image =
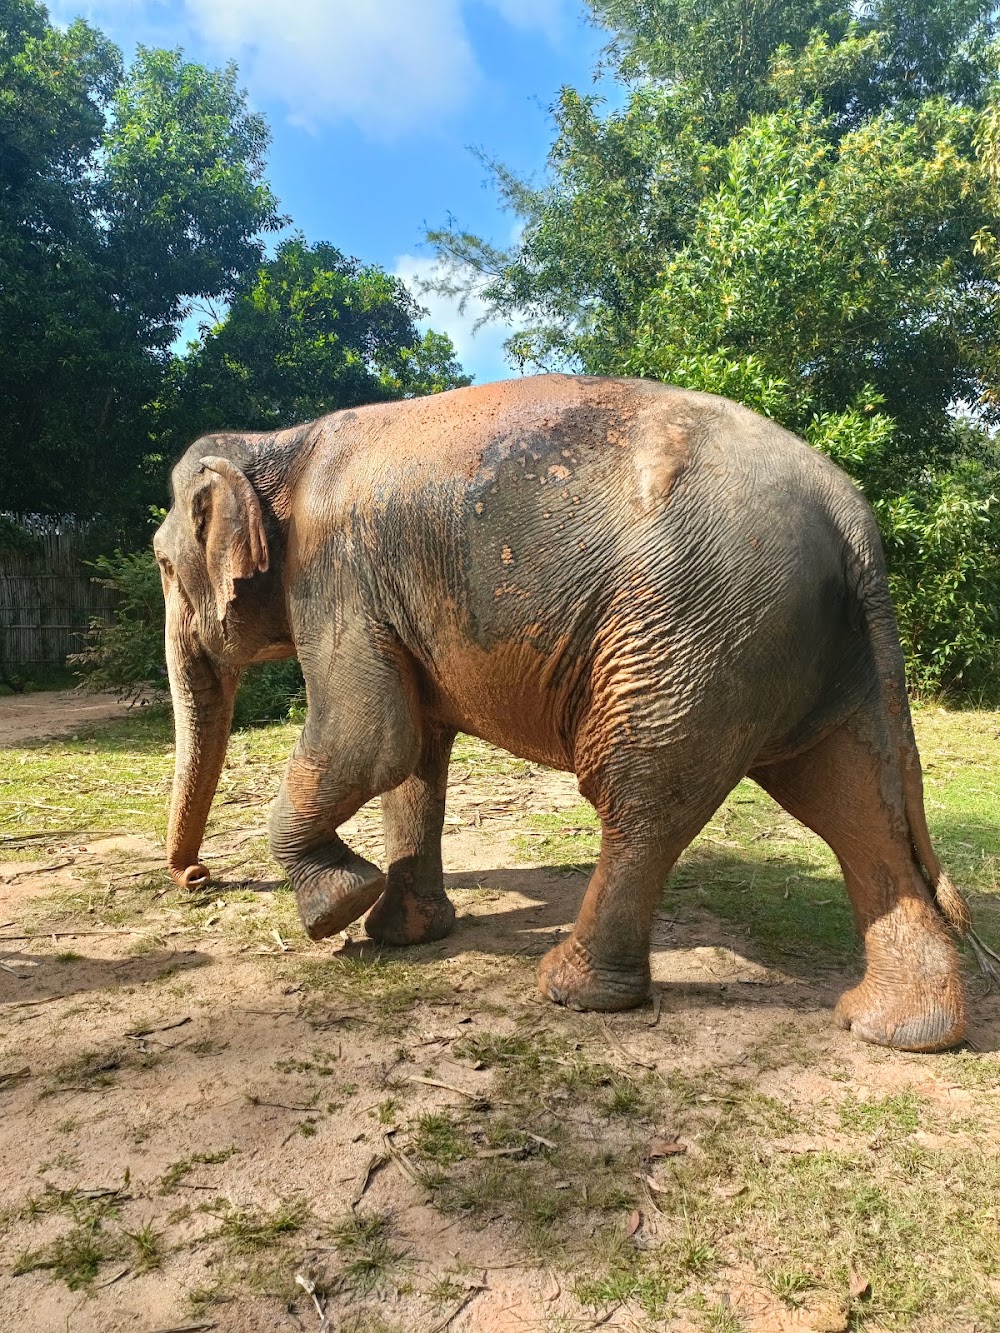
<point x="165" y="565"/>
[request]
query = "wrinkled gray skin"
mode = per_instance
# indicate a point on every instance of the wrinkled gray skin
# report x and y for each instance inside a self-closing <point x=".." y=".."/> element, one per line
<point x="654" y="589"/>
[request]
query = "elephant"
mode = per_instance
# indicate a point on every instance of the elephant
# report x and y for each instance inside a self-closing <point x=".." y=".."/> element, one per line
<point x="653" y="588"/>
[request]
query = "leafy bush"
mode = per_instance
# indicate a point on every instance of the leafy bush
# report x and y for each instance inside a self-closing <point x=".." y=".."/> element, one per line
<point x="942" y="540"/>
<point x="269" y="692"/>
<point x="941" y="532"/>
<point x="126" y="656"/>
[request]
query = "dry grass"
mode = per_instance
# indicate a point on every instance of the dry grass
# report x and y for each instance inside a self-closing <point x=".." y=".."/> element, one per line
<point x="415" y="1133"/>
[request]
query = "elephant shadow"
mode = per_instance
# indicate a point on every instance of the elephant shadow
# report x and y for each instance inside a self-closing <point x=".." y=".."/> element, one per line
<point x="733" y="937"/>
<point x="729" y="928"/>
<point x="29" y="984"/>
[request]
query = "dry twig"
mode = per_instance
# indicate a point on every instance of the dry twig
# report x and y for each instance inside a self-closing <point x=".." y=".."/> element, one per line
<point x="164" y="1027"/>
<point x="375" y="1163"/>
<point x="470" y="1295"/>
<point x="448" y="1087"/>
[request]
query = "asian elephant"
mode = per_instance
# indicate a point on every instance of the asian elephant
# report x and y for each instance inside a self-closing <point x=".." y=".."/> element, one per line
<point x="655" y="589"/>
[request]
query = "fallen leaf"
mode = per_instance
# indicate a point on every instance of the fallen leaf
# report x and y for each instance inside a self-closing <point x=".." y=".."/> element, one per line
<point x="729" y="1191"/>
<point x="634" y="1222"/>
<point x="859" y="1287"/>
<point x="667" y="1147"/>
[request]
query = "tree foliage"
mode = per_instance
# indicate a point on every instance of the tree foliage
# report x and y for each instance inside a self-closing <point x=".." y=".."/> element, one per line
<point x="309" y="331"/>
<point x="129" y="197"/>
<point x="124" y="195"/>
<point x="796" y="205"/>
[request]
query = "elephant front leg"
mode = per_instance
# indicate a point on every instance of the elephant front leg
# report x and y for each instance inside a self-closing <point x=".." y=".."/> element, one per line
<point x="333" y="885"/>
<point x="359" y="740"/>
<point x="414" y="907"/>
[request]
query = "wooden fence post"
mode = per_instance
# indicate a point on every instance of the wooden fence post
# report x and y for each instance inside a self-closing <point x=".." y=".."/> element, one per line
<point x="47" y="593"/>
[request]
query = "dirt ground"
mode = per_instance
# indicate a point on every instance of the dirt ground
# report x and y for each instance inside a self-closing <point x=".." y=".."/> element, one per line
<point x="265" y="1114"/>
<point x="26" y="717"/>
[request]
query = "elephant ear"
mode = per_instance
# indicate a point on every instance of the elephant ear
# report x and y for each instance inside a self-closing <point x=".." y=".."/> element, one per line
<point x="229" y="526"/>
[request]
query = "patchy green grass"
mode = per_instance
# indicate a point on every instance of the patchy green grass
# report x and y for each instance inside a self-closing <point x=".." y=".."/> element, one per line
<point x="74" y="1257"/>
<point x="803" y="1171"/>
<point x="147" y="1246"/>
<point x="115" y="778"/>
<point x="364" y="1242"/>
<point x="438" y="1139"/>
<point x="177" y="1172"/>
<point x="380" y="986"/>
<point x="861" y="1194"/>
<point x="91" y="1239"/>
<point x="900" y="1114"/>
<point x="92" y="1069"/>
<point x="248" y="1230"/>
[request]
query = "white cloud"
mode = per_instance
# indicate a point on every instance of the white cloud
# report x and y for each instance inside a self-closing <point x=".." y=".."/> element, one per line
<point x="386" y="64"/>
<point x="544" y="14"/>
<point x="479" y="350"/>
<point x="390" y="66"/>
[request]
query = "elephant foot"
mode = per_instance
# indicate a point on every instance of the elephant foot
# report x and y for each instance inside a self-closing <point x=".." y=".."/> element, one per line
<point x="568" y="975"/>
<point x="333" y="899"/>
<point x="907" y="1017"/>
<point x="405" y="918"/>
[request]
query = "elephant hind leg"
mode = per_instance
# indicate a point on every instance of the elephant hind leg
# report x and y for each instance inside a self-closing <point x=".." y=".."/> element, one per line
<point x="414" y="907"/>
<point x="849" y="790"/>
<point x="652" y="803"/>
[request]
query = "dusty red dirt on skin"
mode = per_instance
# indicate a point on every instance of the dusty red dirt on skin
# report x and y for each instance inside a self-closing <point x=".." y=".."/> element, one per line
<point x="228" y="1015"/>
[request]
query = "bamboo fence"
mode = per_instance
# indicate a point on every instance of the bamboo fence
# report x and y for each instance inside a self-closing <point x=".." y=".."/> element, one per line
<point x="48" y="595"/>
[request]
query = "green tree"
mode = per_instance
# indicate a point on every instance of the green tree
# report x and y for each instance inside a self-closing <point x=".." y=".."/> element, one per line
<point x="182" y="193"/>
<point x="843" y="265"/>
<point x="717" y="55"/>
<point x="123" y="196"/>
<point x="308" y="332"/>
<point x="795" y="205"/>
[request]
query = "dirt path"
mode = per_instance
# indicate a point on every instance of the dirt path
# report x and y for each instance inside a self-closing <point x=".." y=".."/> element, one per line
<point x="27" y="717"/>
<point x="203" y="1115"/>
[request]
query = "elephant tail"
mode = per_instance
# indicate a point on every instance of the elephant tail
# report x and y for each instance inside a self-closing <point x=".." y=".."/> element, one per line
<point x="872" y="590"/>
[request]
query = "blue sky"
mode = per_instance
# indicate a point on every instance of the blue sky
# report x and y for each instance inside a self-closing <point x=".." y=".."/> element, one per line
<point x="374" y="106"/>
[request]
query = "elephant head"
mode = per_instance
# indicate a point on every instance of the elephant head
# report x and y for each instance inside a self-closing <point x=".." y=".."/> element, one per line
<point x="219" y="555"/>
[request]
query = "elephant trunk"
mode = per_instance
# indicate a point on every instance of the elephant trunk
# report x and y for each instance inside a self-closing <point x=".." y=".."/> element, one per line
<point x="203" y="712"/>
